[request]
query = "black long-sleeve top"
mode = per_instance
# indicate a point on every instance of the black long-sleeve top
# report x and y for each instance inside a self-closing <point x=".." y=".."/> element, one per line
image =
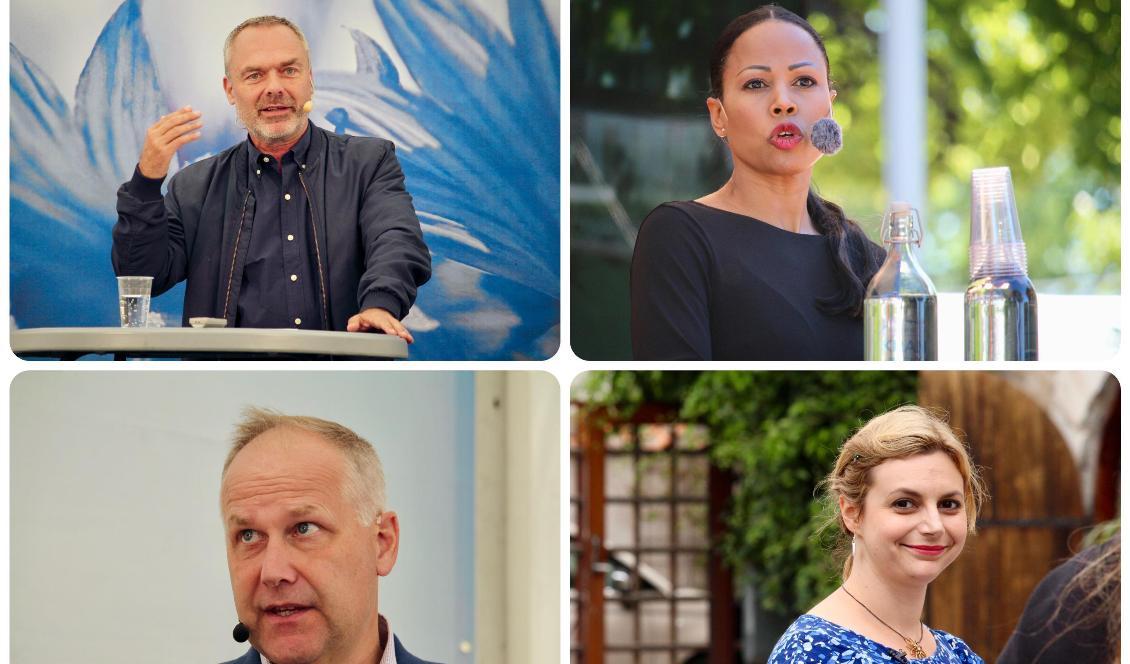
<point x="707" y="284"/>
<point x="1052" y="629"/>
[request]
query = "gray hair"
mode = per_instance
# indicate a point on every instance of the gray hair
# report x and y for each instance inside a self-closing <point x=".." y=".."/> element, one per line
<point x="261" y="21"/>
<point x="364" y="483"/>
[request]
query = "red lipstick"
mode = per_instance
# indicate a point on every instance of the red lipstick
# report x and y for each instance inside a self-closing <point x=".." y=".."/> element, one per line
<point x="786" y="136"/>
<point x="927" y="549"/>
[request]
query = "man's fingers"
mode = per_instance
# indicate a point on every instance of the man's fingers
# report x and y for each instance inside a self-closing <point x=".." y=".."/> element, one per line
<point x="165" y="137"/>
<point x="364" y="322"/>
<point x="172" y="132"/>
<point x="184" y="127"/>
<point x="187" y="138"/>
<point x="182" y="130"/>
<point x="179" y="115"/>
<point x="170" y="119"/>
<point x="174" y="119"/>
<point x="394" y="326"/>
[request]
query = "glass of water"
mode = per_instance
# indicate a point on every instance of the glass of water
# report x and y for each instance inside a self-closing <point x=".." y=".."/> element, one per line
<point x="133" y="300"/>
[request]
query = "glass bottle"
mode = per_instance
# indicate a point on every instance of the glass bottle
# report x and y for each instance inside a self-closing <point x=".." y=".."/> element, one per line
<point x="900" y="307"/>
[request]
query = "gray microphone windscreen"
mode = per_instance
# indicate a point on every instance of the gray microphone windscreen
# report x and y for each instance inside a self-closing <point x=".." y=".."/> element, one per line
<point x="827" y="136"/>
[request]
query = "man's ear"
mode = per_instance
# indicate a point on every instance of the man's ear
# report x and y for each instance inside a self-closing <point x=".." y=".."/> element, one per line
<point x="387" y="532"/>
<point x="228" y="91"/>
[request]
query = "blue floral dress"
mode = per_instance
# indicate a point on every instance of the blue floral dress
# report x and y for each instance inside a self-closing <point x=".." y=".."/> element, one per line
<point x="813" y="639"/>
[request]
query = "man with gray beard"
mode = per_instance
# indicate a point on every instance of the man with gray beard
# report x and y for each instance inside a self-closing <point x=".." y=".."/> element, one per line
<point x="295" y="227"/>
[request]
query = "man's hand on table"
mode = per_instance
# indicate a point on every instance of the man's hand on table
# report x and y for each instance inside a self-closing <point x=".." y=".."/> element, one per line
<point x="378" y="320"/>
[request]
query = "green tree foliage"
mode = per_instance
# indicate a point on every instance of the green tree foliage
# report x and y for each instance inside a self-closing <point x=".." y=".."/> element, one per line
<point x="1034" y="86"/>
<point x="1029" y="85"/>
<point x="779" y="432"/>
<point x="648" y="56"/>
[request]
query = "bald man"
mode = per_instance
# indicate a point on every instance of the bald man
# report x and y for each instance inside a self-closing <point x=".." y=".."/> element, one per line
<point x="308" y="538"/>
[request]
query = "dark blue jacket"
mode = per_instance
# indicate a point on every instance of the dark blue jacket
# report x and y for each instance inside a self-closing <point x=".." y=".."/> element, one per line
<point x="369" y="243"/>
<point x="402" y="656"/>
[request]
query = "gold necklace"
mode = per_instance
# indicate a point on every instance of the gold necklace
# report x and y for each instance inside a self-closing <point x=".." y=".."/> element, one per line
<point x="915" y="647"/>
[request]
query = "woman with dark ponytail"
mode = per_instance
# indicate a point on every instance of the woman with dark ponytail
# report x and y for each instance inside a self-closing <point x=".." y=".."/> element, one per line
<point x="763" y="268"/>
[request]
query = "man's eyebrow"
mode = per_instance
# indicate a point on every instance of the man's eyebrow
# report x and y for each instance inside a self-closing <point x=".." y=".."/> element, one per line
<point x="288" y="63"/>
<point x="238" y="520"/>
<point x="296" y="512"/>
<point x="303" y="510"/>
<point x="798" y="65"/>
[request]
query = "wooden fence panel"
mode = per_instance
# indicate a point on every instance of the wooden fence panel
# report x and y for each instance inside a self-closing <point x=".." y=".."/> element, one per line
<point x="1024" y="529"/>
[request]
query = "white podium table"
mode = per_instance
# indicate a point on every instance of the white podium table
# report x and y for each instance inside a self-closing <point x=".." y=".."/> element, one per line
<point x="1072" y="328"/>
<point x="70" y="343"/>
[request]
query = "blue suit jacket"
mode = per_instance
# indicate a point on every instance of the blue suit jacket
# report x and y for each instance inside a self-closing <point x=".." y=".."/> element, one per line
<point x="402" y="656"/>
<point x="370" y="243"/>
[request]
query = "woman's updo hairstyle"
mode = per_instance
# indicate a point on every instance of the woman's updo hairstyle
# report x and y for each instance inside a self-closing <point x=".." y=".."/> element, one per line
<point x="856" y="258"/>
<point x="903" y="432"/>
<point x="737" y="27"/>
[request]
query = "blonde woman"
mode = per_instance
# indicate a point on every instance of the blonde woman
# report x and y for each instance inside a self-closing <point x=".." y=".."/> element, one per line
<point x="905" y="495"/>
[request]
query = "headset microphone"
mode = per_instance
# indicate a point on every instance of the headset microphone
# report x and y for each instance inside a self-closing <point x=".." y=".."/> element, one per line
<point x="241" y="633"/>
<point x="308" y="106"/>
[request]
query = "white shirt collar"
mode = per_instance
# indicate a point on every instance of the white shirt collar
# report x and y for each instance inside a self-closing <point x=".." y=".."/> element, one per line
<point x="389" y="656"/>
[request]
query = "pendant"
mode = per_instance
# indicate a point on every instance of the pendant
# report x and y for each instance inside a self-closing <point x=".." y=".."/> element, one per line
<point x="916" y="651"/>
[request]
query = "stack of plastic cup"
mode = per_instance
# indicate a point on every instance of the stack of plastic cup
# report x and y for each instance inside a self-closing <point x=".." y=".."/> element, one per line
<point x="996" y="247"/>
<point x="1000" y="303"/>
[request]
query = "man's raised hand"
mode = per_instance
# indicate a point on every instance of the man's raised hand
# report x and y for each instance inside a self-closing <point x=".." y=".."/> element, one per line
<point x="164" y="138"/>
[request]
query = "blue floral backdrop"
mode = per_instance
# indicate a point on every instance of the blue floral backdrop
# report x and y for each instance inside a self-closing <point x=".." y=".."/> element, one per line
<point x="472" y="107"/>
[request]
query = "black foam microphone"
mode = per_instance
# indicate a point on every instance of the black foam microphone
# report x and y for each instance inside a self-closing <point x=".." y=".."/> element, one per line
<point x="826" y="136"/>
<point x="240" y="633"/>
<point x="897" y="655"/>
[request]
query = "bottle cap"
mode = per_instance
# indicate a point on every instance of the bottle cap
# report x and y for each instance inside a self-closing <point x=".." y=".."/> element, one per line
<point x="901" y="224"/>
